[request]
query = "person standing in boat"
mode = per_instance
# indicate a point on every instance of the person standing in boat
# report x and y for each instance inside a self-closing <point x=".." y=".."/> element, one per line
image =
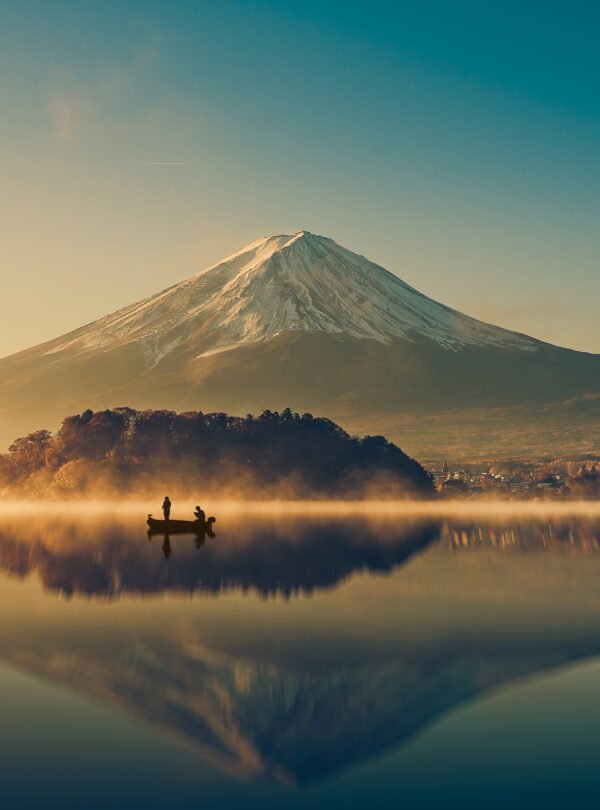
<point x="200" y="514"/>
<point x="166" y="507"/>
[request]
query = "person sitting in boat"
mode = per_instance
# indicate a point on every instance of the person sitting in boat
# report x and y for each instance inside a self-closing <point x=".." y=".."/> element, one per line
<point x="200" y="514"/>
<point x="166" y="507"/>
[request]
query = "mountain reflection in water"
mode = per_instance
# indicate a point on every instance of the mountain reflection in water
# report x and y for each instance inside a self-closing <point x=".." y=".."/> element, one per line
<point x="294" y="689"/>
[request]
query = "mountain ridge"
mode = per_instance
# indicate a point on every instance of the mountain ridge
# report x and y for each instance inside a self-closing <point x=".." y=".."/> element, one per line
<point x="300" y="321"/>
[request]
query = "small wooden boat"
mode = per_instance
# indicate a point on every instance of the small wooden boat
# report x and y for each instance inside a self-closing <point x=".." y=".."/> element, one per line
<point x="180" y="526"/>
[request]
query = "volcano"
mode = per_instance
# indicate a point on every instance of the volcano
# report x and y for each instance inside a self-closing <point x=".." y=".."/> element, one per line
<point x="297" y="320"/>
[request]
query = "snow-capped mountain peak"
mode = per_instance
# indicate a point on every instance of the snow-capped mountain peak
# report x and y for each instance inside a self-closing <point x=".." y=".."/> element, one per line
<point x="286" y="283"/>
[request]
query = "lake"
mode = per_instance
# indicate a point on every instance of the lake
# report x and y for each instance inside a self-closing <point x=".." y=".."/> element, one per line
<point x="315" y="657"/>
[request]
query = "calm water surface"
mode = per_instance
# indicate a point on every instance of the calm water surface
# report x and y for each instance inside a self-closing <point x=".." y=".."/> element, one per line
<point x="311" y="661"/>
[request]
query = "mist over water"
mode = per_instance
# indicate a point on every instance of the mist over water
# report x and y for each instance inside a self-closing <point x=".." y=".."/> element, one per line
<point x="376" y="509"/>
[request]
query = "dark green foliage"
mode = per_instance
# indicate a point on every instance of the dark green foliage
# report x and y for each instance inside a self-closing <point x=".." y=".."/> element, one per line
<point x="313" y="455"/>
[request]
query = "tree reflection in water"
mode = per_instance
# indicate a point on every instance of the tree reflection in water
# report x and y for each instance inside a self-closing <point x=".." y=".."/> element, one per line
<point x="272" y="556"/>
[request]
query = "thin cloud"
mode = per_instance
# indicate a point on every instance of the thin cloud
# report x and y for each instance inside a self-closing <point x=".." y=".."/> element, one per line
<point x="68" y="112"/>
<point x="74" y="106"/>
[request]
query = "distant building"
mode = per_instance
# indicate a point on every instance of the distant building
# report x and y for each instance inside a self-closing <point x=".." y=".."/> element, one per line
<point x="440" y="476"/>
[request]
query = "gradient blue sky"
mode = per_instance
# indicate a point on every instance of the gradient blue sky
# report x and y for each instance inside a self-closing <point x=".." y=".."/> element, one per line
<point x="455" y="143"/>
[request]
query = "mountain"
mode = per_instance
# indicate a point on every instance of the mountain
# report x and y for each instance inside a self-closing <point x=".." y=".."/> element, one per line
<point x="301" y="321"/>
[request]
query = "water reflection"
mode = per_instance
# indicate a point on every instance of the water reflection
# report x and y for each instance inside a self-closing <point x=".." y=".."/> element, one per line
<point x="166" y="546"/>
<point x="574" y="535"/>
<point x="296" y="689"/>
<point x="270" y="555"/>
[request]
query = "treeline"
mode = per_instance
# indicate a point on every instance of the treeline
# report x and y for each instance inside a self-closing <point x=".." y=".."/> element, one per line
<point x="138" y="453"/>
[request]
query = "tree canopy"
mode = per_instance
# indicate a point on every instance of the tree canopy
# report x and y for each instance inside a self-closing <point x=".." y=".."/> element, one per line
<point x="129" y="451"/>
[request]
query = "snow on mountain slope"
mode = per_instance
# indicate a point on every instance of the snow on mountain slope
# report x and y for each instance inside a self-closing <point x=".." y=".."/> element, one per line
<point x="279" y="284"/>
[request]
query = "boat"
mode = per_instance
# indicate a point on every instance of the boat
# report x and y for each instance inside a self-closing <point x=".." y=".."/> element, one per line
<point x="180" y="526"/>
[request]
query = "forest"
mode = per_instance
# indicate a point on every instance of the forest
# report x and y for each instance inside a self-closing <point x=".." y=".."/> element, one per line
<point x="125" y="452"/>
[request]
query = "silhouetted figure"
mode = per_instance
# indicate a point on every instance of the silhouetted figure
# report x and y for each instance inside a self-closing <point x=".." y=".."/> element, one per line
<point x="200" y="514"/>
<point x="166" y="546"/>
<point x="166" y="507"/>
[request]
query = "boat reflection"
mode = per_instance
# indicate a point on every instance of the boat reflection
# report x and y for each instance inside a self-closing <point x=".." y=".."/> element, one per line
<point x="166" y="546"/>
<point x="199" y="536"/>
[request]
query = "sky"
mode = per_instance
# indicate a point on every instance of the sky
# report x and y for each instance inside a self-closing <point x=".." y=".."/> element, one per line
<point x="455" y="143"/>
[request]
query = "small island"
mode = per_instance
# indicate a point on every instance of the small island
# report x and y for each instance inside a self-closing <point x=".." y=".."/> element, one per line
<point x="126" y="453"/>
